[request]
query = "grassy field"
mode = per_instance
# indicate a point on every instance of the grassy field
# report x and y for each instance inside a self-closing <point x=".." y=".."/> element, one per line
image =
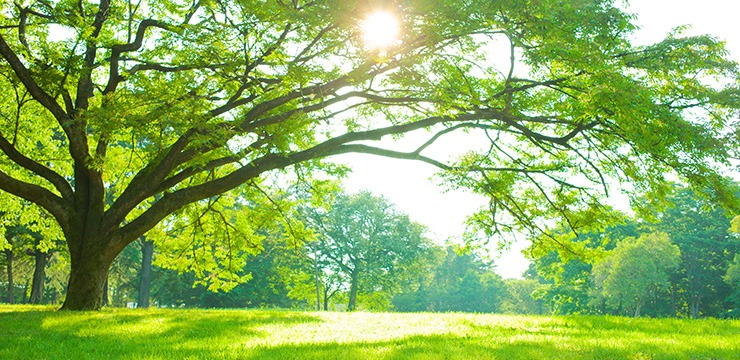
<point x="28" y="332"/>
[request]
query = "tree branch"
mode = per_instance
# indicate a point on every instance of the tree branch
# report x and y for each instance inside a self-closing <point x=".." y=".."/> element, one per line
<point x="55" y="179"/>
<point x="40" y="196"/>
<point x="140" y="186"/>
<point x="116" y="51"/>
<point x="85" y="84"/>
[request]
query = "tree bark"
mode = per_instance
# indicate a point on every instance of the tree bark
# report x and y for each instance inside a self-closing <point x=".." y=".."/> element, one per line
<point x="9" y="257"/>
<point x="25" y="294"/>
<point x="145" y="277"/>
<point x="106" y="289"/>
<point x="695" y="303"/>
<point x="328" y="296"/>
<point x="87" y="281"/>
<point x="326" y="299"/>
<point x="39" y="277"/>
<point x="352" y="304"/>
<point x="316" y="273"/>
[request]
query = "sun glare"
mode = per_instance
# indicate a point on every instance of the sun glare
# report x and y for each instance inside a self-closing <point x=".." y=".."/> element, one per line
<point x="380" y="30"/>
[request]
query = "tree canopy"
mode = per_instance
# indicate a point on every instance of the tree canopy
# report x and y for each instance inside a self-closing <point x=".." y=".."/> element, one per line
<point x="367" y="243"/>
<point x="635" y="268"/>
<point x="122" y="113"/>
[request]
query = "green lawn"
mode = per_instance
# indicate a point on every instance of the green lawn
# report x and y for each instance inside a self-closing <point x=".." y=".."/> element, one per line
<point x="28" y="332"/>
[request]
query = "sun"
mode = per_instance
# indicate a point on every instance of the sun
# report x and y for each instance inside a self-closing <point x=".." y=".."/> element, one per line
<point x="380" y="30"/>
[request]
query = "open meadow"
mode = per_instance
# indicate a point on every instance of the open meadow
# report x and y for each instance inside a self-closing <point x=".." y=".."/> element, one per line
<point x="32" y="332"/>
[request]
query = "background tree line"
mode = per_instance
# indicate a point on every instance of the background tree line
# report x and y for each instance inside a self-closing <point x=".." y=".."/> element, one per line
<point x="363" y="253"/>
<point x="681" y="261"/>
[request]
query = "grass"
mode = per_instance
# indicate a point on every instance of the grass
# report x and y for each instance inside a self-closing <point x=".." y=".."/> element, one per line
<point x="32" y="332"/>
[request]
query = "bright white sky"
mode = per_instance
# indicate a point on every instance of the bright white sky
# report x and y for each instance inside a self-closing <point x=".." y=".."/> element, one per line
<point x="407" y="184"/>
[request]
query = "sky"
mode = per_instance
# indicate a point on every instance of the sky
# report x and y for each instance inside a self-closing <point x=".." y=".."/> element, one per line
<point x="407" y="183"/>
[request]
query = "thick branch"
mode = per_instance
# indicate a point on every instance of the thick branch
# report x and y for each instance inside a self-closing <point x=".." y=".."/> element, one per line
<point x="38" y="195"/>
<point x="141" y="185"/>
<point x="338" y="145"/>
<point x="57" y="180"/>
<point x="24" y="75"/>
<point x="213" y="164"/>
<point x="85" y="84"/>
<point x="78" y="149"/>
<point x="177" y="199"/>
<point x="117" y="50"/>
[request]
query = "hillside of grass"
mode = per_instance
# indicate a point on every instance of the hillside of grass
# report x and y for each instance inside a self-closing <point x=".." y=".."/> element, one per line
<point x="32" y="332"/>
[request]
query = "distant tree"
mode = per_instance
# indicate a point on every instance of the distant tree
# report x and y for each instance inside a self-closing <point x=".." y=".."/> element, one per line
<point x="459" y="282"/>
<point x="9" y="254"/>
<point x="123" y="276"/>
<point x="368" y="240"/>
<point x="634" y="269"/>
<point x="18" y="253"/>
<point x="699" y="229"/>
<point x="733" y="278"/>
<point x="145" y="275"/>
<point x="313" y="281"/>
<point x="565" y="284"/>
<point x="696" y="287"/>
<point x="269" y="284"/>
<point x="565" y="273"/>
<point x="41" y="257"/>
<point x="520" y="298"/>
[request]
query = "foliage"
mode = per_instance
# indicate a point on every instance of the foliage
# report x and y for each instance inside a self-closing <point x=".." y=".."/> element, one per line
<point x="565" y="272"/>
<point x="268" y="285"/>
<point x="520" y="299"/>
<point x="369" y="244"/>
<point x="34" y="332"/>
<point x="123" y="276"/>
<point x="733" y="271"/>
<point x="699" y="229"/>
<point x="123" y="115"/>
<point x="695" y="289"/>
<point x="733" y="278"/>
<point x="460" y="282"/>
<point x="634" y="269"/>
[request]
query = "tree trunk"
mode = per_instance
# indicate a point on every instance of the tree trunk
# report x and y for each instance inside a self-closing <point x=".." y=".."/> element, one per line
<point x="695" y="302"/>
<point x="87" y="279"/>
<point x="326" y="299"/>
<point x="316" y="273"/>
<point x="674" y="305"/>
<point x="106" y="291"/>
<point x="618" y="310"/>
<point x="328" y="296"/>
<point x="352" y="304"/>
<point x="638" y="306"/>
<point x="25" y="294"/>
<point x="39" y="277"/>
<point x="145" y="277"/>
<point x="9" y="257"/>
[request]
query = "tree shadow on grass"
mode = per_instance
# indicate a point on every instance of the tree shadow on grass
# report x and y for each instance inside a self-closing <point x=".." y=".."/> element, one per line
<point x="146" y="334"/>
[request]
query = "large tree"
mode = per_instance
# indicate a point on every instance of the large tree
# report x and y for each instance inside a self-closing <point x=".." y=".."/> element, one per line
<point x="124" y="112"/>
